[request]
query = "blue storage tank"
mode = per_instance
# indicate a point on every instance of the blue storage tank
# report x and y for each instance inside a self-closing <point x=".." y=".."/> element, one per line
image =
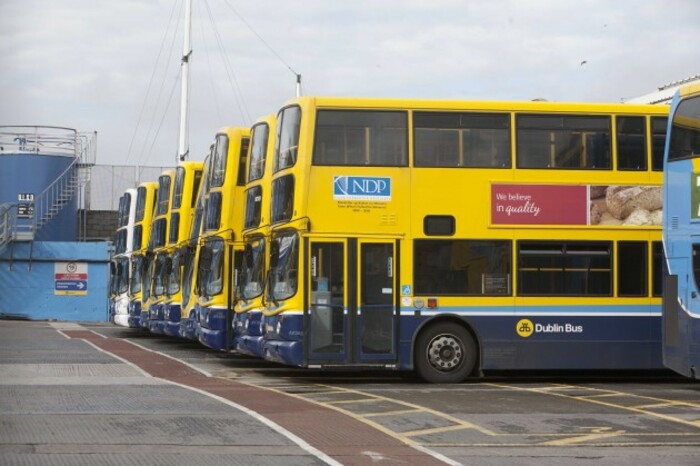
<point x="31" y="159"/>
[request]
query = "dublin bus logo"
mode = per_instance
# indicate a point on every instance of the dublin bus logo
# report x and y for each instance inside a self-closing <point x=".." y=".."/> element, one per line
<point x="524" y="328"/>
<point x="362" y="188"/>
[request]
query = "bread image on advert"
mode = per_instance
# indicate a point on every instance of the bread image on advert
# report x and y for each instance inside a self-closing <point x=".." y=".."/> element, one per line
<point x="626" y="205"/>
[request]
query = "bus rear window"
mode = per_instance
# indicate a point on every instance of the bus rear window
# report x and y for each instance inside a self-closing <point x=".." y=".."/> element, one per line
<point x="461" y="139"/>
<point x="361" y="138"/>
<point x="563" y="141"/>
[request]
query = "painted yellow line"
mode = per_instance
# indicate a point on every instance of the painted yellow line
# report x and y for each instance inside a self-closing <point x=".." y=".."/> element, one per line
<point x="594" y="399"/>
<point x="657" y="405"/>
<point x="597" y="433"/>
<point x="397" y="412"/>
<point x="436" y="430"/>
<point x="359" y="400"/>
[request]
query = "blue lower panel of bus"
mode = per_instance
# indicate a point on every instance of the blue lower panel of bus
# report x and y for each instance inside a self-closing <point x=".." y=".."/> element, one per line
<point x="547" y="337"/>
<point x="212" y="328"/>
<point x="156" y="322"/>
<point x="189" y="328"/>
<point x="536" y="341"/>
<point x="143" y="321"/>
<point x="173" y="316"/>
<point x="283" y="339"/>
<point x="134" y="314"/>
<point x="247" y="337"/>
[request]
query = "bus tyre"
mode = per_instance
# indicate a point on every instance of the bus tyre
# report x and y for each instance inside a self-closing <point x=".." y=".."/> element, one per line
<point x="445" y="353"/>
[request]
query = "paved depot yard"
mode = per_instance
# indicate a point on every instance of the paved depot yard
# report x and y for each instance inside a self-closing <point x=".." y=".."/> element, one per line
<point x="99" y="394"/>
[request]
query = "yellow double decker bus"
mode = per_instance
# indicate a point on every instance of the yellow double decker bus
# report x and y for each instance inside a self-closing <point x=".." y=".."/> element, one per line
<point x="145" y="202"/>
<point x="188" y="177"/>
<point x="221" y="244"/>
<point x="153" y="277"/>
<point x="455" y="237"/>
<point x="189" y="319"/>
<point x="247" y="331"/>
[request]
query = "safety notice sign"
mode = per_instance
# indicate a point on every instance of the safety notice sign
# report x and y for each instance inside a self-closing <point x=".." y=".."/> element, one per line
<point x="71" y="278"/>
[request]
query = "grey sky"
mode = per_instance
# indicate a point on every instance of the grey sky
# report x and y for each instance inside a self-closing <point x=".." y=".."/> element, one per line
<point x="86" y="64"/>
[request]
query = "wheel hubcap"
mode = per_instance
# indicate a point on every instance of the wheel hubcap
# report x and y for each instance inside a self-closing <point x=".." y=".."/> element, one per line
<point x="445" y="352"/>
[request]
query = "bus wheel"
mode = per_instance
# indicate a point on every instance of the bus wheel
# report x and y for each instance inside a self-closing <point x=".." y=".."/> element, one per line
<point x="445" y="353"/>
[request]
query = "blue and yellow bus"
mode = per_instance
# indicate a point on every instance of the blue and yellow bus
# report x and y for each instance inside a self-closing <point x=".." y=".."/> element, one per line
<point x="681" y="234"/>
<point x="145" y="201"/>
<point x="188" y="177"/>
<point x="123" y="248"/>
<point x="221" y="244"/>
<point x="156" y="258"/>
<point x="189" y="317"/>
<point x="247" y="319"/>
<point x="456" y="237"/>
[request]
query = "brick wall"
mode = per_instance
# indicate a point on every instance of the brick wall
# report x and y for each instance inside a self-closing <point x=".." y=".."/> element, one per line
<point x="98" y="224"/>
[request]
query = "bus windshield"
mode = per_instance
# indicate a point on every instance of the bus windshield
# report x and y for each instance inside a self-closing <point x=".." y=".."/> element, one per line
<point x="122" y="274"/>
<point x="685" y="130"/>
<point x="135" y="282"/>
<point x="211" y="267"/>
<point x="284" y="262"/>
<point x="174" y="275"/>
<point x="160" y="274"/>
<point x="252" y="273"/>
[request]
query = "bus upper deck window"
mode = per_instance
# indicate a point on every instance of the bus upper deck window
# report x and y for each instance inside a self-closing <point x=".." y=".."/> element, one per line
<point x="258" y="151"/>
<point x="361" y="138"/>
<point x="461" y="139"/>
<point x="658" y="142"/>
<point x="218" y="166"/>
<point x="685" y="131"/>
<point x="631" y="143"/>
<point x="563" y="141"/>
<point x="287" y="140"/>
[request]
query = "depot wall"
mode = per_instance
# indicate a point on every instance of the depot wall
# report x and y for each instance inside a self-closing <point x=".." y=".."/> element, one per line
<point x="32" y="287"/>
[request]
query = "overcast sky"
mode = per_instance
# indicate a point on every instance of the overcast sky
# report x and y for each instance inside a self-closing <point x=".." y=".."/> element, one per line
<point x="87" y="64"/>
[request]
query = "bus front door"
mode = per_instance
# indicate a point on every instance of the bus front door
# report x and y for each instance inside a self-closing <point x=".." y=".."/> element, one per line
<point x="351" y="310"/>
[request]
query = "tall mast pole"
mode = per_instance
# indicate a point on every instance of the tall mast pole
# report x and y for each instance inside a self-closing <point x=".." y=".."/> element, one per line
<point x="183" y="148"/>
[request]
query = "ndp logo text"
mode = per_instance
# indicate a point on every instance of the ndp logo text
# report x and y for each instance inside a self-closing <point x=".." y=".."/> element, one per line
<point x="365" y="188"/>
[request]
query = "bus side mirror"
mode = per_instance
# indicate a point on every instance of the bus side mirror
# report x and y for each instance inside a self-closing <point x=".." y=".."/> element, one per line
<point x="274" y="254"/>
<point x="205" y="256"/>
<point x="248" y="254"/>
<point x="168" y="265"/>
